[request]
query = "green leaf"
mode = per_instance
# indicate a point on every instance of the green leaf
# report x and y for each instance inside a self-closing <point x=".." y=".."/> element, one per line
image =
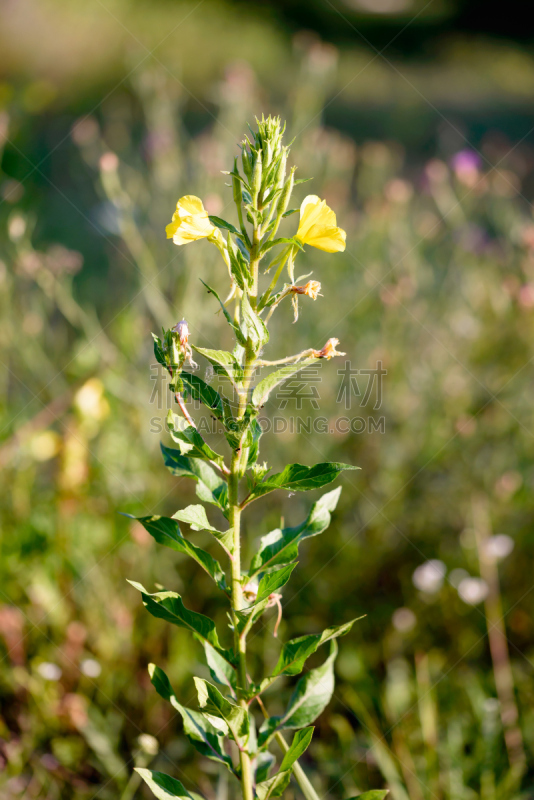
<point x="159" y="353"/>
<point x="252" y="326"/>
<point x="211" y="488"/>
<point x="299" y="745"/>
<point x="267" y="246"/>
<point x="237" y="719"/>
<point x="195" y="446"/>
<point x="299" y="478"/>
<point x="239" y="266"/>
<point x="254" y="435"/>
<point x="264" y="388"/>
<point x="273" y="787"/>
<point x="375" y="794"/>
<point x="205" y="737"/>
<point x="309" y="699"/>
<point x="222" y="362"/>
<point x="223" y="225"/>
<point x="169" y="606"/>
<point x="239" y="336"/>
<point x="203" y="392"/>
<point x="195" y="516"/>
<point x="263" y="763"/>
<point x="273" y="581"/>
<point x="281" y="546"/>
<point x="166" y="531"/>
<point x="163" y="786"/>
<point x="220" y="670"/>
<point x="295" y="652"/>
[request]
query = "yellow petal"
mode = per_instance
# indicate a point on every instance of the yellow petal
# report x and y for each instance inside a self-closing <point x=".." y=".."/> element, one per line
<point x="331" y="240"/>
<point x="191" y="204"/>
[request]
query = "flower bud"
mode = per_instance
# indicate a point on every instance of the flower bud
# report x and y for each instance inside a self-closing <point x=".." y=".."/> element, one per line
<point x="285" y="196"/>
<point x="256" y="178"/>
<point x="236" y="187"/>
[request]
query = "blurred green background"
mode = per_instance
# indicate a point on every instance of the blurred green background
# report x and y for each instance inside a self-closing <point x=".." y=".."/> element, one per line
<point x="416" y="123"/>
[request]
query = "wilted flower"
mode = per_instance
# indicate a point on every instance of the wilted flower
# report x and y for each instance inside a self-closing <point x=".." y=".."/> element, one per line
<point x="318" y="227"/>
<point x="329" y="350"/>
<point x="311" y="289"/>
<point x="190" y="221"/>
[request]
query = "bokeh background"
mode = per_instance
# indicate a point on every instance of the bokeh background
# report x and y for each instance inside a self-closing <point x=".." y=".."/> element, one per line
<point x="415" y="121"/>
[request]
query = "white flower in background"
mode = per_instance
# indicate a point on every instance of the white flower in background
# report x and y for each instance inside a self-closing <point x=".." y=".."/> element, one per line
<point x="403" y="620"/>
<point x="473" y="590"/>
<point x="499" y="546"/>
<point x="90" y="667"/>
<point x="457" y="576"/>
<point x="428" y="577"/>
<point x="49" y="671"/>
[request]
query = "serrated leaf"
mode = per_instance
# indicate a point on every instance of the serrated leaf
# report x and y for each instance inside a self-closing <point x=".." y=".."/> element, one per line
<point x="166" y="531"/>
<point x="252" y="326"/>
<point x="309" y="699"/>
<point x="222" y="362"/>
<point x="262" y="391"/>
<point x="211" y="488"/>
<point x="236" y="717"/>
<point x="195" y="516"/>
<point x="207" y="739"/>
<point x="295" y="652"/>
<point x="273" y="787"/>
<point x="169" y="606"/>
<point x="196" y="447"/>
<point x="163" y="786"/>
<point x="281" y="546"/>
<point x="223" y="224"/>
<point x="299" y="478"/>
<point x="273" y="581"/>
<point x="299" y="745"/>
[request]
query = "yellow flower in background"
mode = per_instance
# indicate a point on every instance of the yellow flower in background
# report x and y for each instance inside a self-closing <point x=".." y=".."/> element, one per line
<point x="318" y="227"/>
<point x="190" y="221"/>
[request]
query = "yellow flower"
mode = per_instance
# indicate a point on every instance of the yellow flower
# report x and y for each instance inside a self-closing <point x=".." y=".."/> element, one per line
<point x="318" y="227"/>
<point x="190" y="221"/>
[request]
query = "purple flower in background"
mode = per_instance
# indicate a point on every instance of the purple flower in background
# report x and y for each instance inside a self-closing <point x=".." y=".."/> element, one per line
<point x="466" y="161"/>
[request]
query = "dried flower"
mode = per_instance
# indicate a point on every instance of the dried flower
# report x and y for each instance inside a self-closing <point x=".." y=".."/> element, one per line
<point x="311" y="289"/>
<point x="329" y="350"/>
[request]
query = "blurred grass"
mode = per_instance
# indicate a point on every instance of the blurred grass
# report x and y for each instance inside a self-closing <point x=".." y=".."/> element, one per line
<point x="437" y="282"/>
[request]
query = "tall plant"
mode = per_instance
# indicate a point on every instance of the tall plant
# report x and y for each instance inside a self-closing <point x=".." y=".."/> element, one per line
<point x="262" y="192"/>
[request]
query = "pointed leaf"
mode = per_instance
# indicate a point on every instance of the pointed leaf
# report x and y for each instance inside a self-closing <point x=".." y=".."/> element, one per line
<point x="236" y="717"/>
<point x="222" y="362"/>
<point x="264" y="388"/>
<point x="206" y="394"/>
<point x="166" y="531"/>
<point x="169" y="606"/>
<point x="273" y="581"/>
<point x="273" y="787"/>
<point x="195" y="516"/>
<point x="252" y="326"/>
<point x="263" y="764"/>
<point x="205" y="737"/>
<point x="281" y="546"/>
<point x="220" y="670"/>
<point x="299" y="745"/>
<point x="296" y="651"/>
<point x="309" y="699"/>
<point x="299" y="478"/>
<point x="239" y="336"/>
<point x="211" y="488"/>
<point x="223" y="224"/>
<point x="163" y="786"/>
